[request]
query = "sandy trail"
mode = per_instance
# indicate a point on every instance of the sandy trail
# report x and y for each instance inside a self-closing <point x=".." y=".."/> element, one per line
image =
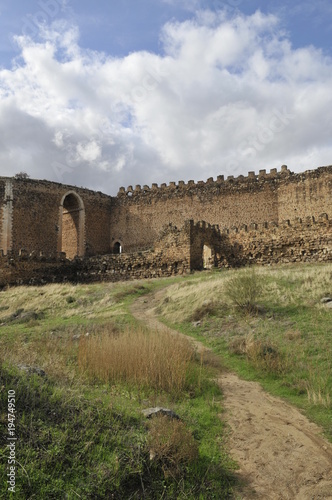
<point x="281" y="455"/>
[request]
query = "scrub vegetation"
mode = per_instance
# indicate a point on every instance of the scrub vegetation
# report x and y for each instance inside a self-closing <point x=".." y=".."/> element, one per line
<point x="268" y="324"/>
<point x="80" y="427"/>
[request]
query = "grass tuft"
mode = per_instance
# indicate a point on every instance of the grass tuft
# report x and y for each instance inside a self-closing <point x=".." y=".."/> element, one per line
<point x="159" y="361"/>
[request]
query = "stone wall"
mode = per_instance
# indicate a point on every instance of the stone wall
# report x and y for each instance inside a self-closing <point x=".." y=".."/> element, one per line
<point x="48" y="217"/>
<point x="37" y="224"/>
<point x="7" y="215"/>
<point x="139" y="214"/>
<point x="305" y="195"/>
<point x="299" y="240"/>
<point x="177" y="251"/>
<point x="38" y="271"/>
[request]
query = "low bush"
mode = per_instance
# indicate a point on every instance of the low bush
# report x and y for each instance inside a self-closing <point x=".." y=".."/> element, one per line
<point x="208" y="308"/>
<point x="172" y="446"/>
<point x="262" y="355"/>
<point x="243" y="290"/>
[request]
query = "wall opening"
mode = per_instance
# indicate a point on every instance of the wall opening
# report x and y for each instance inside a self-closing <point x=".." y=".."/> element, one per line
<point x="208" y="259"/>
<point x="117" y="248"/>
<point x="71" y="226"/>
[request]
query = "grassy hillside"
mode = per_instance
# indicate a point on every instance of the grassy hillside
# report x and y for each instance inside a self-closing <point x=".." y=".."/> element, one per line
<point x="269" y="324"/>
<point x="80" y="428"/>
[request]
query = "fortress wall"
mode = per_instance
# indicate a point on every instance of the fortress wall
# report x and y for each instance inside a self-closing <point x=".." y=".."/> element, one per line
<point x="306" y="194"/>
<point x="36" y="217"/>
<point x="177" y="251"/>
<point x="299" y="240"/>
<point x="170" y="257"/>
<point x="97" y="221"/>
<point x="139" y="214"/>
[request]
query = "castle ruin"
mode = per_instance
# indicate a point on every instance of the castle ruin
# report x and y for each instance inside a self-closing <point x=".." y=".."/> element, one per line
<point x="53" y="232"/>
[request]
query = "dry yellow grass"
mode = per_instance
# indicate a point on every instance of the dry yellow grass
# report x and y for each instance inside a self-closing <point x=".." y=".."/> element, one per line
<point x="181" y="300"/>
<point x="57" y="356"/>
<point x="160" y="361"/>
<point x="65" y="300"/>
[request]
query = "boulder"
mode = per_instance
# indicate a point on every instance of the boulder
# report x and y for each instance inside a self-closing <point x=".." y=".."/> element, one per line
<point x="32" y="369"/>
<point x="152" y="412"/>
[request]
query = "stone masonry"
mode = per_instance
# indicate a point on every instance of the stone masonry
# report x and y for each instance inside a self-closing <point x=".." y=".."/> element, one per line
<point x="53" y="232"/>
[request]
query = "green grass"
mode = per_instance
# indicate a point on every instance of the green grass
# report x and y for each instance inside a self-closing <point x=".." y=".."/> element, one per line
<point x="83" y="436"/>
<point x="285" y="342"/>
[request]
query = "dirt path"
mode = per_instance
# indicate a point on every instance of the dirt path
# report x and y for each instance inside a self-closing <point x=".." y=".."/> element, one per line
<point x="281" y="455"/>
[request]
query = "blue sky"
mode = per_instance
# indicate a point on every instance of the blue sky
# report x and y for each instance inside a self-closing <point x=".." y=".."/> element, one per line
<point x="111" y="93"/>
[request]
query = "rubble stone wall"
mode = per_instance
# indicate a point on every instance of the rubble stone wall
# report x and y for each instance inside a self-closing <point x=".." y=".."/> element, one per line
<point x="36" y="209"/>
<point x="172" y="255"/>
<point x="299" y="240"/>
<point x="266" y="218"/>
<point x="305" y="195"/>
<point x="179" y="251"/>
<point x="139" y="213"/>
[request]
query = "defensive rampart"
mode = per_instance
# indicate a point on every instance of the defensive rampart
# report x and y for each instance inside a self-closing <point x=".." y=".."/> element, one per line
<point x="266" y="218"/>
<point x="298" y="240"/>
<point x="178" y="251"/>
<point x="139" y="214"/>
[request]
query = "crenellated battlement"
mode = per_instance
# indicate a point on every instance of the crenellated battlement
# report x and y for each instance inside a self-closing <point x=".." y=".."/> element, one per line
<point x="298" y="223"/>
<point x="23" y="255"/>
<point x="210" y="182"/>
<point x="203" y="225"/>
<point x="221" y="182"/>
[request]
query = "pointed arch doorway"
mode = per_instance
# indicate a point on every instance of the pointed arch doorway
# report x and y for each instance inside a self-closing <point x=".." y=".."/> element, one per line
<point x="71" y="225"/>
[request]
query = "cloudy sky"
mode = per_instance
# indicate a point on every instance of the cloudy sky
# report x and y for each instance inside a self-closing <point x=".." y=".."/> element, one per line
<point x="110" y="93"/>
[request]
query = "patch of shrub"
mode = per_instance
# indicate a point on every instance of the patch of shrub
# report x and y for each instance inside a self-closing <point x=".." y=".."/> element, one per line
<point x="208" y="308"/>
<point x="262" y="355"/>
<point x="172" y="446"/>
<point x="71" y="446"/>
<point x="243" y="290"/>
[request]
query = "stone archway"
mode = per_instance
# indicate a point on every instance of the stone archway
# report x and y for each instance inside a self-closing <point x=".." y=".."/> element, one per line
<point x="117" y="248"/>
<point x="71" y="225"/>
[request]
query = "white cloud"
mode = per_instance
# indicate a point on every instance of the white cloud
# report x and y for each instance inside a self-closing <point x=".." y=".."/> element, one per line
<point x="228" y="95"/>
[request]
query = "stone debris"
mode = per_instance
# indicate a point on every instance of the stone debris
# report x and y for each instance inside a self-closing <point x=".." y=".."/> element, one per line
<point x="325" y="300"/>
<point x="152" y="412"/>
<point x="32" y="369"/>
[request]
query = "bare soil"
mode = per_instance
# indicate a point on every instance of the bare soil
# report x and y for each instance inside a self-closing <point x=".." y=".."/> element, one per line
<point x="280" y="453"/>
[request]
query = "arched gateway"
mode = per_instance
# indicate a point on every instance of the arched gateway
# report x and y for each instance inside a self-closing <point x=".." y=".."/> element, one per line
<point x="71" y="225"/>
